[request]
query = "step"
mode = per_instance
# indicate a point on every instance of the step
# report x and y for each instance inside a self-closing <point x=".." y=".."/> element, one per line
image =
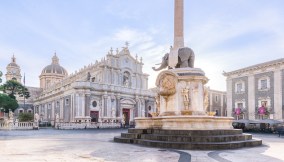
<point x="200" y="146"/>
<point x="183" y="138"/>
<point x="197" y="132"/>
<point x="131" y="135"/>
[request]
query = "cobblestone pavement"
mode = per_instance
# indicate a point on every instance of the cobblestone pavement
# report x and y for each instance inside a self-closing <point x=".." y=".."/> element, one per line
<point x="97" y="145"/>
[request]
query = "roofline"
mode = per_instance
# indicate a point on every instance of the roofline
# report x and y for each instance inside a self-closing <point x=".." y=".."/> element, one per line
<point x="253" y="67"/>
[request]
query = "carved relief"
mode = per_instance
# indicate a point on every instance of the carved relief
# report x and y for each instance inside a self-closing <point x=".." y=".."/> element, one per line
<point x="186" y="98"/>
<point x="206" y="98"/>
<point x="167" y="85"/>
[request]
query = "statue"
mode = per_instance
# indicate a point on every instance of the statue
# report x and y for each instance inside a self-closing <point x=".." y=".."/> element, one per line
<point x="36" y="117"/>
<point x="126" y="79"/>
<point x="11" y="115"/>
<point x="89" y="76"/>
<point x="57" y="117"/>
<point x="185" y="93"/>
<point x="185" y="59"/>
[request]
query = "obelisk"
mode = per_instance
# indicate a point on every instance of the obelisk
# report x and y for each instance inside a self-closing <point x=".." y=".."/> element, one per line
<point x="178" y="33"/>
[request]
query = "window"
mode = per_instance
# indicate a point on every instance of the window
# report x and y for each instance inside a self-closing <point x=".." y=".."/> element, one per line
<point x="239" y="87"/>
<point x="29" y="111"/>
<point x="57" y="104"/>
<point x="21" y="111"/>
<point x="66" y="101"/>
<point x="149" y="108"/>
<point x="94" y="103"/>
<point x="264" y="103"/>
<point x="240" y="105"/>
<point x="263" y="84"/>
<point x="216" y="98"/>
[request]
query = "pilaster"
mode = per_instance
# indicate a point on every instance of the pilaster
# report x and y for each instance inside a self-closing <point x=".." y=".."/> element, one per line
<point x="277" y="94"/>
<point x="251" y="97"/>
<point x="229" y="97"/>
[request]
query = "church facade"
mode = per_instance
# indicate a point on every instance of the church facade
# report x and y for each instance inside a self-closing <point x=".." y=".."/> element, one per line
<point x="113" y="89"/>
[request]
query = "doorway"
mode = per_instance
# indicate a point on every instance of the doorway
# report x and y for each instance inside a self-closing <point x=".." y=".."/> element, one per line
<point x="126" y="115"/>
<point x="94" y="116"/>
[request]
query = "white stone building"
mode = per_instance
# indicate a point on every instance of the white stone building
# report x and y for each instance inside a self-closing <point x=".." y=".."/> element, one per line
<point x="110" y="90"/>
<point x="256" y="86"/>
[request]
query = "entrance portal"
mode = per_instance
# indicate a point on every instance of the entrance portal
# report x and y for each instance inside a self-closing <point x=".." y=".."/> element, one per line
<point x="126" y="115"/>
<point x="94" y="116"/>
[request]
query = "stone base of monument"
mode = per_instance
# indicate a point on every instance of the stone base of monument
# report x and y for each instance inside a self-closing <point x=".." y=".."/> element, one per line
<point x="189" y="139"/>
<point x="182" y="122"/>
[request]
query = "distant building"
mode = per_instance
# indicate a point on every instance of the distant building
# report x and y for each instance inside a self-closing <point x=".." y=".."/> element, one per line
<point x="217" y="102"/>
<point x="256" y="92"/>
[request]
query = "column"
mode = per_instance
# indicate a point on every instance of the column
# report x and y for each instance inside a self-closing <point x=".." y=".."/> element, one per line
<point x="87" y="105"/>
<point x="277" y="95"/>
<point x="229" y="97"/>
<point x="251" y="97"/>
<point x="178" y="24"/>
<point x="118" y="106"/>
<point x="72" y="114"/>
<point x="77" y="105"/>
<point x="61" y="108"/>
<point x="211" y="101"/>
<point x="105" y="105"/>
<point x="222" y="108"/>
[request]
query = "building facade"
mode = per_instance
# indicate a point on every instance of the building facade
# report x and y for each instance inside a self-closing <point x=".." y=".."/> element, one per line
<point x="113" y="89"/>
<point x="217" y="102"/>
<point x="256" y="92"/>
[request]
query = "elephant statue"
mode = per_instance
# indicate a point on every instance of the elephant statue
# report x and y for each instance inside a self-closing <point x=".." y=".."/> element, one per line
<point x="185" y="59"/>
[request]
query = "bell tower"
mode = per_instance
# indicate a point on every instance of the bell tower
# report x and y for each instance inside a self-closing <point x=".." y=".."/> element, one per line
<point x="13" y="71"/>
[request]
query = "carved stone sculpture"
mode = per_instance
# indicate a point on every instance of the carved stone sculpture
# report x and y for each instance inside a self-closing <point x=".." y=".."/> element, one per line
<point x="206" y="99"/>
<point x="186" y="101"/>
<point x="185" y="59"/>
<point x="36" y="117"/>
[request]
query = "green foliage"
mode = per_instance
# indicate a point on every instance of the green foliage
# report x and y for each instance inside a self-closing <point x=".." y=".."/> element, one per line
<point x="25" y="117"/>
<point x="7" y="103"/>
<point x="13" y="88"/>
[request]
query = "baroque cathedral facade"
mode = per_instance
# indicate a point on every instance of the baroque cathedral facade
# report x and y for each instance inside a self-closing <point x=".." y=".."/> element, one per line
<point x="109" y="90"/>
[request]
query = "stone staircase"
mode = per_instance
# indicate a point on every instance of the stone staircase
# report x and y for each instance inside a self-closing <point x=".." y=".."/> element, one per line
<point x="189" y="139"/>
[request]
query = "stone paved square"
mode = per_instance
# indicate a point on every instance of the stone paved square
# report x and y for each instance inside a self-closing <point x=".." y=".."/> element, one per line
<point x="97" y="145"/>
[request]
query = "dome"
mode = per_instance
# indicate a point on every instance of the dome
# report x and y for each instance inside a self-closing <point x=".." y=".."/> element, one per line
<point x="54" y="67"/>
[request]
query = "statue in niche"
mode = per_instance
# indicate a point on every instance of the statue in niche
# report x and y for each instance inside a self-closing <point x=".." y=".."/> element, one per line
<point x="186" y="99"/>
<point x="126" y="79"/>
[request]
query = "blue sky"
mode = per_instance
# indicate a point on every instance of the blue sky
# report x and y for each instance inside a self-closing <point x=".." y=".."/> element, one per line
<point x="225" y="34"/>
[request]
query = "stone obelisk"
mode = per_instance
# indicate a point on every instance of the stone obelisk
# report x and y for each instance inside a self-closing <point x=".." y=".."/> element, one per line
<point x="178" y="33"/>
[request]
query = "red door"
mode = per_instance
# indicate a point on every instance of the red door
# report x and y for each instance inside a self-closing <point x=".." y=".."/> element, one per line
<point x="94" y="116"/>
<point x="126" y="115"/>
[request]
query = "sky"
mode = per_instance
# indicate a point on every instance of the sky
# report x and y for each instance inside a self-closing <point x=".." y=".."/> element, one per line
<point x="225" y="35"/>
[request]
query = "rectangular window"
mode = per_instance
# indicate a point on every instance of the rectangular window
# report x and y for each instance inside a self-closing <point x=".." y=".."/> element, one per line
<point x="240" y="105"/>
<point x="263" y="84"/>
<point x="216" y="98"/>
<point x="239" y="87"/>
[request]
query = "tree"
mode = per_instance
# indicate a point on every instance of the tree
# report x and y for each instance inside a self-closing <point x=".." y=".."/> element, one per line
<point x="13" y="88"/>
<point x="7" y="103"/>
<point x="25" y="117"/>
